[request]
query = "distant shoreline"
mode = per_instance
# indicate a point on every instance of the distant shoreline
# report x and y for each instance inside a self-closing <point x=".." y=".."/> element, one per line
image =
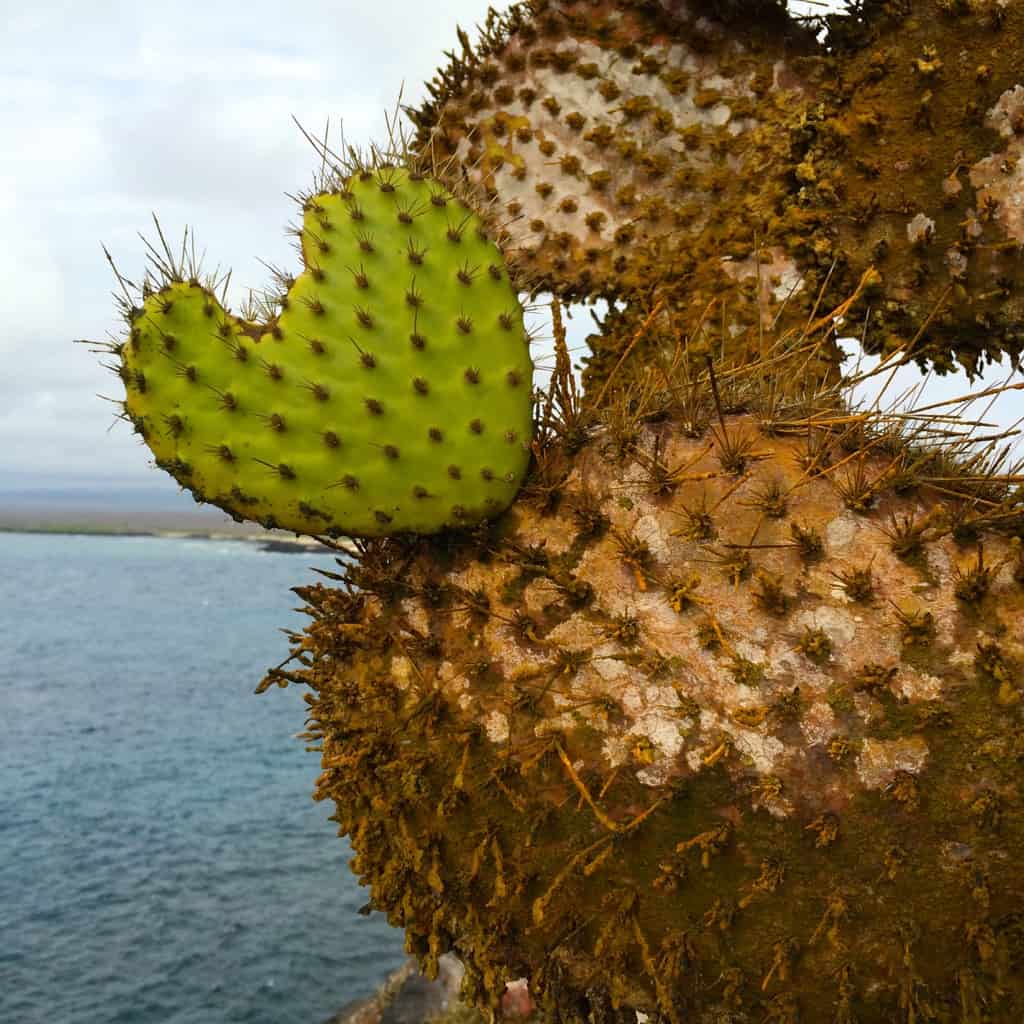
<point x="297" y="545"/>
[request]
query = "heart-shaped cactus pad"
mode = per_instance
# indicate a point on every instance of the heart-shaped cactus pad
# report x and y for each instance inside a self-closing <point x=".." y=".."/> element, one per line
<point x="390" y="389"/>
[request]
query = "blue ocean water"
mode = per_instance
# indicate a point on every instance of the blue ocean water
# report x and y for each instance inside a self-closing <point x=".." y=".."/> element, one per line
<point x="160" y="857"/>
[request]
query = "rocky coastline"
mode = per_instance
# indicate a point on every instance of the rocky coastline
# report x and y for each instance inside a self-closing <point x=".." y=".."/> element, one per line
<point x="407" y="997"/>
<point x="267" y="540"/>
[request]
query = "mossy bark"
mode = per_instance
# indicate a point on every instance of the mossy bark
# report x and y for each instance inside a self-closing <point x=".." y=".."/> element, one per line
<point x="720" y="723"/>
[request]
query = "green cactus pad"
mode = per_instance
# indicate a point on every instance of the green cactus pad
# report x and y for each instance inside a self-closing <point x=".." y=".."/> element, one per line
<point x="391" y="390"/>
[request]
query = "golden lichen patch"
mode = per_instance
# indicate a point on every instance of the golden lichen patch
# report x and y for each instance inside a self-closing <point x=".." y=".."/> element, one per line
<point x="880" y="761"/>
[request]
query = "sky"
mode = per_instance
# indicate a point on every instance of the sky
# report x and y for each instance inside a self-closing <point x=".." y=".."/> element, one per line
<point x="112" y="112"/>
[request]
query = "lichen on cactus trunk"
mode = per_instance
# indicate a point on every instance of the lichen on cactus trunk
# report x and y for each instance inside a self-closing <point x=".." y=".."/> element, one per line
<point x="720" y="721"/>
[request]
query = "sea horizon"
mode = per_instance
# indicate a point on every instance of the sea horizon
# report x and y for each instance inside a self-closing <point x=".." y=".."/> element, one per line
<point x="136" y="511"/>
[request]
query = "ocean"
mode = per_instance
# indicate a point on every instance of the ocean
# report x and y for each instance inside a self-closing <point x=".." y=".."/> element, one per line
<point x="161" y="859"/>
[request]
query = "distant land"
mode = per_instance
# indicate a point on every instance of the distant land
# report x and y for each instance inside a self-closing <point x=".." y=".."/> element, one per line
<point x="131" y="511"/>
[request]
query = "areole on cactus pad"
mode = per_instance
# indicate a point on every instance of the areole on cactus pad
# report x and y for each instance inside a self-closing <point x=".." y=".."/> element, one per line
<point x="389" y="389"/>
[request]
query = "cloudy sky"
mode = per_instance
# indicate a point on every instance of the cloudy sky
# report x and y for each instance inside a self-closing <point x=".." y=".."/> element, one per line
<point x="110" y="112"/>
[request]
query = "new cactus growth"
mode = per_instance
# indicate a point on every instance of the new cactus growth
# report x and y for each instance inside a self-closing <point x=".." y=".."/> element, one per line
<point x="388" y="390"/>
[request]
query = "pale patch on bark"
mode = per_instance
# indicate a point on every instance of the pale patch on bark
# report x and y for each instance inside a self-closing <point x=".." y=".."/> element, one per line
<point x="777" y="805"/>
<point x="779" y="278"/>
<point x="649" y="529"/>
<point x="615" y="749"/>
<point x="961" y="658"/>
<point x="576" y="633"/>
<point x="920" y="230"/>
<point x="818" y="723"/>
<point x="951" y="185"/>
<point x="553" y="532"/>
<point x="663" y="732"/>
<point x="956" y="263"/>
<point x="880" y="760"/>
<point x="917" y="686"/>
<point x="609" y="668"/>
<point x="764" y="751"/>
<point x="842" y="530"/>
<point x="416" y="615"/>
<point x="632" y="700"/>
<point x="939" y="560"/>
<point x="447" y="673"/>
<point x="496" y="724"/>
<point x="1006" y="110"/>
<point x="750" y="650"/>
<point x="784" y="659"/>
<point x="537" y="594"/>
<point x="999" y="178"/>
<point x="866" y="707"/>
<point x="834" y="622"/>
<point x="401" y="669"/>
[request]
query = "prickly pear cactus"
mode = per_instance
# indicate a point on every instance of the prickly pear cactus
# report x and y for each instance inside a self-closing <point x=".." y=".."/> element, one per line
<point x="723" y="718"/>
<point x="721" y="721"/>
<point x="389" y="389"/>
